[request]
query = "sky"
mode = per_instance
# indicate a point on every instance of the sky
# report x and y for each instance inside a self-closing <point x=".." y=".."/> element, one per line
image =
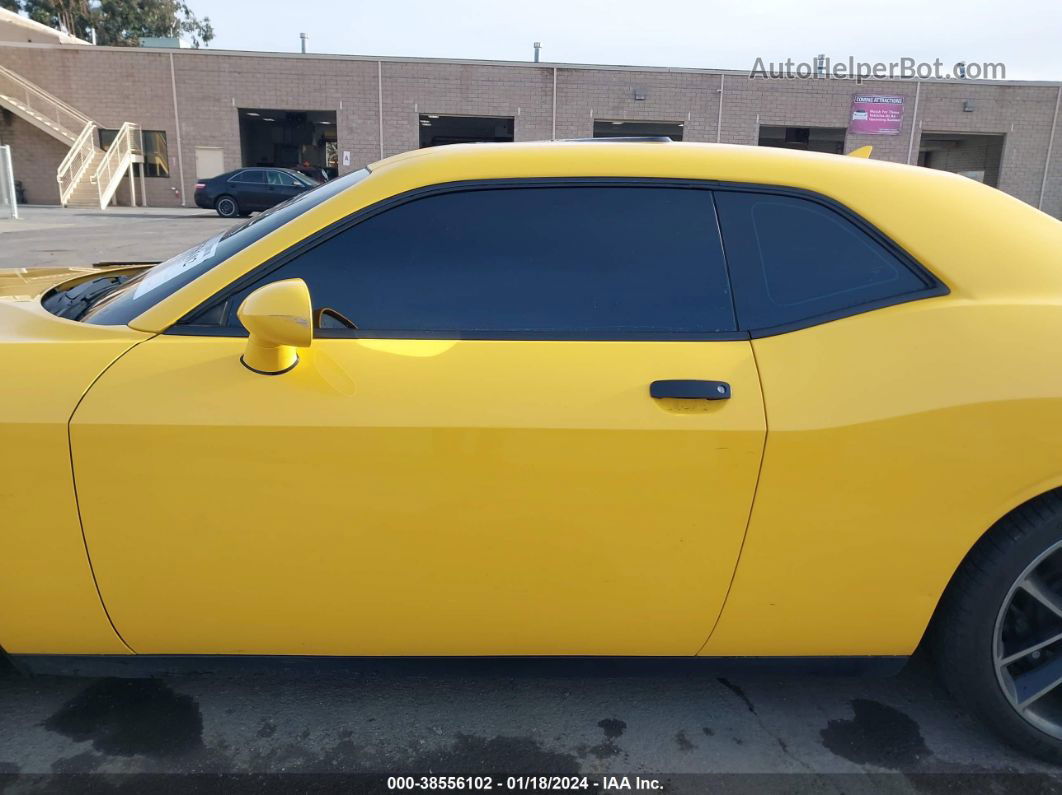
<point x="1025" y="35"/>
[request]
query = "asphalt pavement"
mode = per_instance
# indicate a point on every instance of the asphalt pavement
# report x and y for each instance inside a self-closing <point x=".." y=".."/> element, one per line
<point x="691" y="731"/>
<point x="66" y="237"/>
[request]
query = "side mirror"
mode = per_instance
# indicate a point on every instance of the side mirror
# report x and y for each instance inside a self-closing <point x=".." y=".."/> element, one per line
<point x="278" y="319"/>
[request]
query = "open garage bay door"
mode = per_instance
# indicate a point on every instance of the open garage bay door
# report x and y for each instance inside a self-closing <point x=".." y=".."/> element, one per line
<point x="808" y="139"/>
<point x="289" y="138"/>
<point x="618" y="128"/>
<point x="437" y="129"/>
<point x="974" y="155"/>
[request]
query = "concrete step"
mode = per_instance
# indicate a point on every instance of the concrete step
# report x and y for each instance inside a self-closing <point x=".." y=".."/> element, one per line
<point x="85" y="183"/>
<point x="85" y="194"/>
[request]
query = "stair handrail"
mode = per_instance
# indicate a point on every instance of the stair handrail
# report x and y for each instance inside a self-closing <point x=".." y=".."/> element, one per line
<point x="76" y="161"/>
<point x="15" y="76"/>
<point x="127" y="146"/>
<point x="36" y="99"/>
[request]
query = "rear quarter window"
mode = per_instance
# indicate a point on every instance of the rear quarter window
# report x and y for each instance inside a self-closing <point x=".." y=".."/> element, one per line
<point x="794" y="260"/>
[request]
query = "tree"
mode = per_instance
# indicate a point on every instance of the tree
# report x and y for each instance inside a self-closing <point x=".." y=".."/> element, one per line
<point x="125" y="22"/>
<point x="10" y="5"/>
<point x="73" y="16"/>
<point x="119" y="23"/>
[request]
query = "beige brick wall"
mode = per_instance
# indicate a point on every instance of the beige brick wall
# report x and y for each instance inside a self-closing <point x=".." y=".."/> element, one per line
<point x="461" y="89"/>
<point x="116" y="85"/>
<point x="35" y="157"/>
<point x="107" y="85"/>
<point x="688" y="97"/>
<point x="1023" y="115"/>
<point x="1053" y="189"/>
<point x="210" y="90"/>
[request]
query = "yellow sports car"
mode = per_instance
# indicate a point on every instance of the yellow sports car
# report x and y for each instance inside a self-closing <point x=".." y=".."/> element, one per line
<point x="572" y="398"/>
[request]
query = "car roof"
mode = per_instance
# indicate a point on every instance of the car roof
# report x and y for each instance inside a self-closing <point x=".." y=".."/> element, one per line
<point x="650" y="157"/>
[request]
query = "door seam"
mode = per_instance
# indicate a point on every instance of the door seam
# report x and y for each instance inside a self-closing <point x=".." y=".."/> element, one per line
<point x="752" y="504"/>
<point x="77" y="500"/>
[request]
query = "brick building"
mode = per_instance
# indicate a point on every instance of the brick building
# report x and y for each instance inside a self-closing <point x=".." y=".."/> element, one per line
<point x="207" y="111"/>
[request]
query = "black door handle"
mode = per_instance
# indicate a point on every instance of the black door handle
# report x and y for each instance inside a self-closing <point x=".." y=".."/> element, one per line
<point x="690" y="390"/>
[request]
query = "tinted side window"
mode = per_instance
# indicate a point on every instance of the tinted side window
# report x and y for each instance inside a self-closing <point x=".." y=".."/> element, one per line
<point x="280" y="178"/>
<point x="792" y="259"/>
<point x="257" y="177"/>
<point x="597" y="262"/>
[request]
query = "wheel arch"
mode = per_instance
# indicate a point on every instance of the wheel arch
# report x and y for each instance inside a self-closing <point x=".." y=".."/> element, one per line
<point x="1040" y="492"/>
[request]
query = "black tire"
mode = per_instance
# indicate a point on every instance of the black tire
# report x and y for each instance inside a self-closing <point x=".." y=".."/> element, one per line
<point x="963" y="632"/>
<point x="227" y="207"/>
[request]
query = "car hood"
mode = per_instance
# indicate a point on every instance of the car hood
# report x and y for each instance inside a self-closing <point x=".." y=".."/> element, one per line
<point x="25" y="324"/>
<point x="27" y="284"/>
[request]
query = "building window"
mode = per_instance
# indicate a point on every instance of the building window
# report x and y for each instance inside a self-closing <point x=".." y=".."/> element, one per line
<point x="156" y="152"/>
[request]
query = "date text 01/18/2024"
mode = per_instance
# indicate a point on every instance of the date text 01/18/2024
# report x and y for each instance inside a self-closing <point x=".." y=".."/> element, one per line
<point x="523" y="783"/>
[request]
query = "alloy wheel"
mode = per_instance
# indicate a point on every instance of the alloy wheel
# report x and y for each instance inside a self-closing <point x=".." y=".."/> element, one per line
<point x="1028" y="643"/>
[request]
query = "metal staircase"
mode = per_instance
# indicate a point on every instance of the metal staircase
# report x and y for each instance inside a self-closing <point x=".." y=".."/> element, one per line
<point x="88" y="176"/>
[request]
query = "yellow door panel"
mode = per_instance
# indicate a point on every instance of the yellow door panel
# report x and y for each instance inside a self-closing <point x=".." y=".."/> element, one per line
<point x="897" y="437"/>
<point x="418" y="497"/>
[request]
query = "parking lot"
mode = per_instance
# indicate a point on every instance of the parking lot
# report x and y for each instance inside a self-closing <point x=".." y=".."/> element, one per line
<point x="744" y="731"/>
<point x="738" y="732"/>
<point x="61" y="237"/>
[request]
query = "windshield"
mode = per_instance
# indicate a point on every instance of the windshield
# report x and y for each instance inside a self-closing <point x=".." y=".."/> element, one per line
<point x="122" y="302"/>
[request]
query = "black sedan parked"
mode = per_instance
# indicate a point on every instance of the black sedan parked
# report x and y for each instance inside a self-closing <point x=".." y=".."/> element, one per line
<point x="245" y="190"/>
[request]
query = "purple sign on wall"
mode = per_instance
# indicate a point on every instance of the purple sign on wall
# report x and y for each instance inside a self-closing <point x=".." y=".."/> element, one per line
<point x="873" y="114"/>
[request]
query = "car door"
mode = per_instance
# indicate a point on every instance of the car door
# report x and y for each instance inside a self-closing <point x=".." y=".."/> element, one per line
<point x="468" y="460"/>
<point x="251" y="189"/>
<point x="280" y="187"/>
